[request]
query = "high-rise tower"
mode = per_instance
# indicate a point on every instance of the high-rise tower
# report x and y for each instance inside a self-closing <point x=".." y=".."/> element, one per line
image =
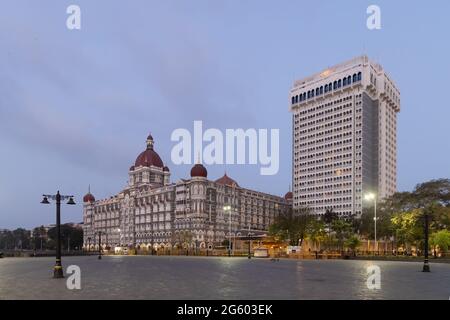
<point x="344" y="123"/>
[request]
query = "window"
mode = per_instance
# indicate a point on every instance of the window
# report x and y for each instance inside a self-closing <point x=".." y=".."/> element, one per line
<point x="335" y="85"/>
<point x="309" y="94"/>
<point x="296" y="99"/>
<point x="355" y="77"/>
<point x="321" y="90"/>
<point x="359" y="76"/>
<point x="344" y="82"/>
<point x="317" y="91"/>
<point x="304" y="96"/>
<point x="339" y="83"/>
<point x="326" y="88"/>
<point x="349" y="80"/>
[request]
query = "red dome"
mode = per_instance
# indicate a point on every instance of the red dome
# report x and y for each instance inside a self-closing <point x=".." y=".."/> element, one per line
<point x="288" y="196"/>
<point x="166" y="168"/>
<point x="226" y="180"/>
<point x="199" y="171"/>
<point x="149" y="157"/>
<point x="88" y="198"/>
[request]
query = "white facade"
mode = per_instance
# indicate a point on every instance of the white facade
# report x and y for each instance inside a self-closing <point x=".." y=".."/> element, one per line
<point x="344" y="137"/>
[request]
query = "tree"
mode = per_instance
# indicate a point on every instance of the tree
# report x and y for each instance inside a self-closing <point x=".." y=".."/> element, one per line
<point x="39" y="235"/>
<point x="71" y="236"/>
<point x="329" y="216"/>
<point x="292" y="226"/>
<point x="316" y="232"/>
<point x="441" y="240"/>
<point x="352" y="243"/>
<point x="342" y="229"/>
<point x="21" y="238"/>
<point x="7" y="240"/>
<point x="408" y="228"/>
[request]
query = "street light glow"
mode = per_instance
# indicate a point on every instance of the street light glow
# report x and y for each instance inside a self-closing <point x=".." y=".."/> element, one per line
<point x="369" y="196"/>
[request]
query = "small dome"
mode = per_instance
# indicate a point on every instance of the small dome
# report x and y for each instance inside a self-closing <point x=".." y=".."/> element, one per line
<point x="226" y="180"/>
<point x="88" y="198"/>
<point x="199" y="171"/>
<point x="166" y="169"/>
<point x="288" y="196"/>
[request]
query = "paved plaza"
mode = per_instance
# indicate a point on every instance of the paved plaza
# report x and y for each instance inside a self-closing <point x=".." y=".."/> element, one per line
<point x="166" y="277"/>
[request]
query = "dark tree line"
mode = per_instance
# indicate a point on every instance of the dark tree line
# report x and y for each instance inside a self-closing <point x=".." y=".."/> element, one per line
<point x="41" y="238"/>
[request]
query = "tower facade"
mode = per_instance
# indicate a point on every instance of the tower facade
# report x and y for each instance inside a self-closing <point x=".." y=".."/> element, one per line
<point x="344" y="122"/>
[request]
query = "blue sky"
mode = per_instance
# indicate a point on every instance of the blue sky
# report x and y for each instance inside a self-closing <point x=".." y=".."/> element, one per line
<point x="76" y="106"/>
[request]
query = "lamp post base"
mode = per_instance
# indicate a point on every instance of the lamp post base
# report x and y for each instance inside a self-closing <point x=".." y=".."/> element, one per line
<point x="426" y="266"/>
<point x="58" y="272"/>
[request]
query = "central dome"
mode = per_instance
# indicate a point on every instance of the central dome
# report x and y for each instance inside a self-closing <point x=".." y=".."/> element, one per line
<point x="149" y="157"/>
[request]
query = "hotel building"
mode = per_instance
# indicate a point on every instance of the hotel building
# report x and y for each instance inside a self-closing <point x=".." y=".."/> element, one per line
<point x="344" y="122"/>
<point x="196" y="212"/>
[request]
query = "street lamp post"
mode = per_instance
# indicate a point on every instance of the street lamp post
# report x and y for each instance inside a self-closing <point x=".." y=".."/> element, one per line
<point x="99" y="244"/>
<point x="228" y="208"/>
<point x="250" y="234"/>
<point x="426" y="266"/>
<point x="368" y="197"/>
<point x="57" y="269"/>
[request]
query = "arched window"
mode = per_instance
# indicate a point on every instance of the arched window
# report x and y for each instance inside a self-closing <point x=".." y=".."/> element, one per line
<point x="312" y="93"/>
<point x="329" y="86"/>
<point x="344" y="82"/>
<point x="355" y="77"/>
<point x="317" y="91"/>
<point x="321" y="90"/>
<point x="359" y="76"/>
<point x="335" y="85"/>
<point x="326" y="88"/>
<point x="296" y="99"/>
<point x="349" y="80"/>
<point x="300" y="97"/>
<point x="304" y="96"/>
<point x="339" y="83"/>
<point x="309" y="94"/>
